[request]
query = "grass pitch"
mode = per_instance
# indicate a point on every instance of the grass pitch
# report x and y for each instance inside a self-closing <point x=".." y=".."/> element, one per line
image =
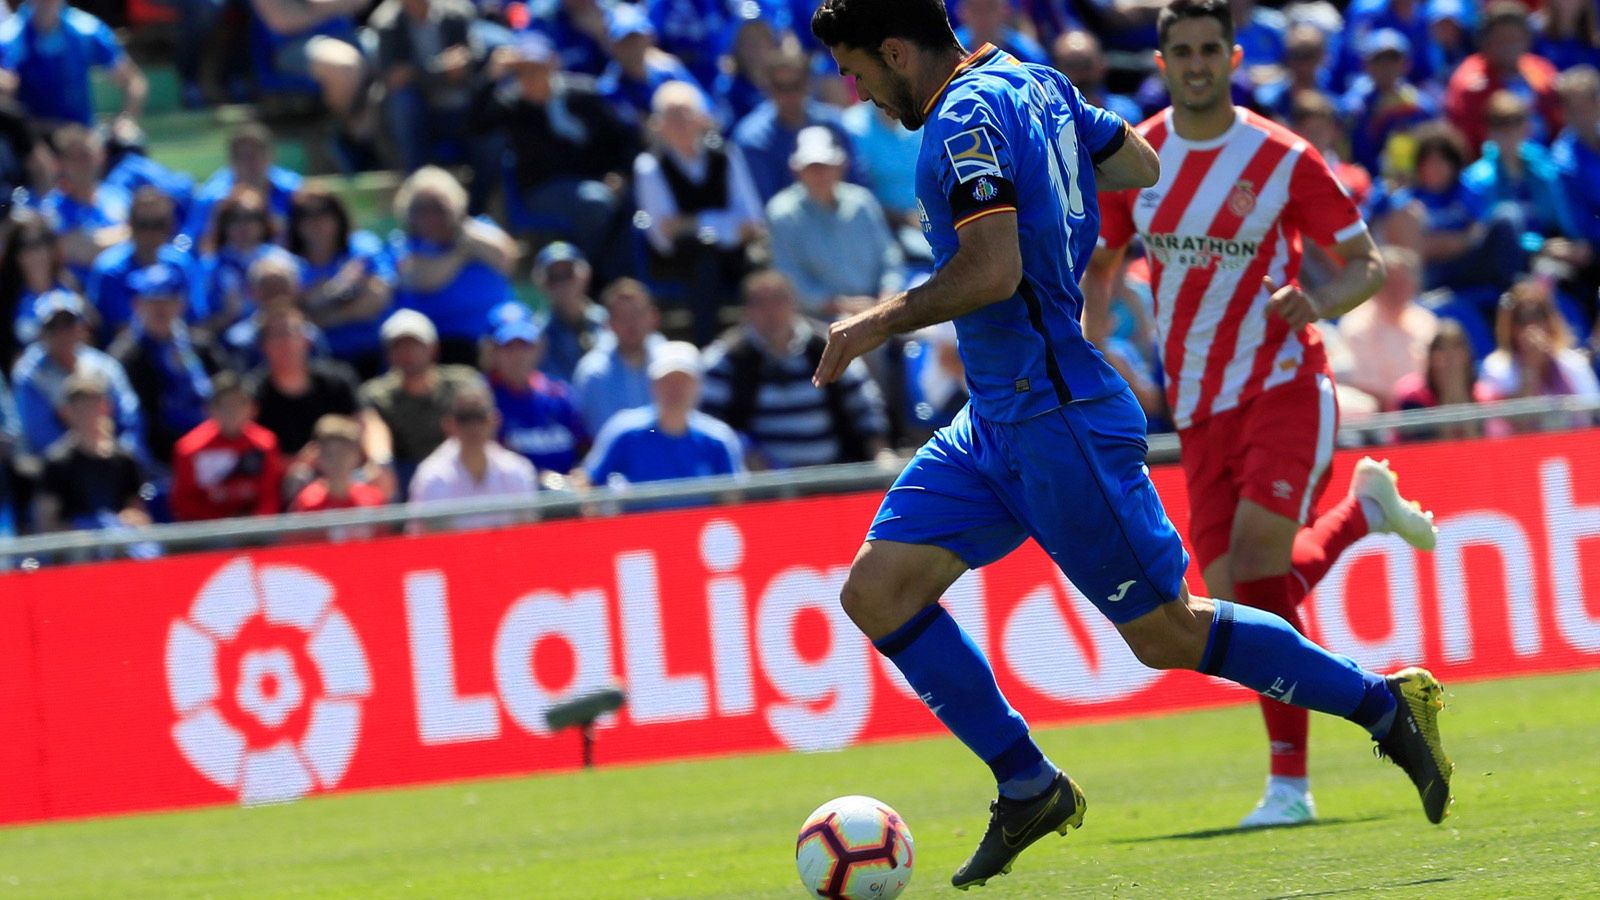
<point x="1162" y="795"/>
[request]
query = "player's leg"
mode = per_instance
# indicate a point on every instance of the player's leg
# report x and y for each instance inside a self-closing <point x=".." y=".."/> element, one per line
<point x="939" y="519"/>
<point x="944" y="514"/>
<point x="1374" y="505"/>
<point x="1256" y="573"/>
<point x="1241" y="543"/>
<point x="1118" y="533"/>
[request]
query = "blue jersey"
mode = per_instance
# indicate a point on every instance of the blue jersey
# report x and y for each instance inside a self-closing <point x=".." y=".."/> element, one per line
<point x="633" y="447"/>
<point x="1008" y="136"/>
<point x="53" y="69"/>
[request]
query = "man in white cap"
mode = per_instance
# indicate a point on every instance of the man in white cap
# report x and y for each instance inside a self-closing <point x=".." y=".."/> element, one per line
<point x="829" y="236"/>
<point x="408" y="402"/>
<point x="670" y="438"/>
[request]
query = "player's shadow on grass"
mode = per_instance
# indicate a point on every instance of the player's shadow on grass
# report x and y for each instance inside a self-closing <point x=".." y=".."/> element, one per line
<point x="1363" y="889"/>
<point x="1224" y="832"/>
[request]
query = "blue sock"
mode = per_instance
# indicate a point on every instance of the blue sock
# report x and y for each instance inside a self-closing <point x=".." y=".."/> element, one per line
<point x="1264" y="653"/>
<point x="951" y="676"/>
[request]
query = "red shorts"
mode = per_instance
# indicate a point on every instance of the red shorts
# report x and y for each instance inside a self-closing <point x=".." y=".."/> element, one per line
<point x="1273" y="451"/>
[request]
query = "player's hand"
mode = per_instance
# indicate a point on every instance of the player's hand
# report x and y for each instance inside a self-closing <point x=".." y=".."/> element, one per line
<point x="848" y="339"/>
<point x="1291" y="304"/>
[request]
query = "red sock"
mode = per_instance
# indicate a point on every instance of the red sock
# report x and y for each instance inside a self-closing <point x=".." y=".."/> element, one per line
<point x="1320" y="543"/>
<point x="1288" y="726"/>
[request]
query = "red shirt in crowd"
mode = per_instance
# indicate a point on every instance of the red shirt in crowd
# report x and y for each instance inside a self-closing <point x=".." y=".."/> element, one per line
<point x="217" y="477"/>
<point x="1466" y="100"/>
<point x="317" y="498"/>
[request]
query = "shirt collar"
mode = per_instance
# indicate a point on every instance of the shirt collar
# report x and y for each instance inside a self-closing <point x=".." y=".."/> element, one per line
<point x="975" y="58"/>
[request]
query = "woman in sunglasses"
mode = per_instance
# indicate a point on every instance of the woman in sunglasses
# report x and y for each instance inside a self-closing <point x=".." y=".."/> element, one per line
<point x="347" y="276"/>
<point x="241" y="232"/>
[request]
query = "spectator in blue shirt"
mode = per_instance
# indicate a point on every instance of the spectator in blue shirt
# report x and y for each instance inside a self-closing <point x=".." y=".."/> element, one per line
<point x="451" y="268"/>
<point x="1515" y="170"/>
<point x="1450" y="40"/>
<point x="46" y="51"/>
<point x="89" y="216"/>
<point x="886" y="155"/>
<point x="152" y="221"/>
<point x="538" y="419"/>
<point x="249" y="163"/>
<point x="1381" y="102"/>
<point x="576" y="323"/>
<point x="317" y="41"/>
<point x="613" y="376"/>
<point x="692" y="30"/>
<point x="31" y="264"/>
<point x="1464" y="243"/>
<point x="736" y="87"/>
<point x="989" y="22"/>
<point x="129" y="168"/>
<point x="1305" y="68"/>
<point x="1566" y="33"/>
<point x="1409" y="17"/>
<point x="578" y="29"/>
<point x="1079" y="56"/>
<point x="272" y="284"/>
<point x="347" y="277"/>
<point x="40" y="376"/>
<point x="637" y="66"/>
<point x="767" y="135"/>
<point x="670" y="438"/>
<point x="1576" y="151"/>
<point x="242" y="232"/>
<point x="169" y="368"/>
<point x="1260" y="32"/>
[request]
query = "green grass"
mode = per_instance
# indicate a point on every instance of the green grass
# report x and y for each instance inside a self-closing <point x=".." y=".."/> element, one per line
<point x="1161" y="795"/>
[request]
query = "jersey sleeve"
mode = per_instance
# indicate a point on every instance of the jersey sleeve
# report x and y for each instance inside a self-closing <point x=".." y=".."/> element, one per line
<point x="1321" y="210"/>
<point x="975" y="165"/>
<point x="106" y="49"/>
<point x="1116" y="218"/>
<point x="1102" y="131"/>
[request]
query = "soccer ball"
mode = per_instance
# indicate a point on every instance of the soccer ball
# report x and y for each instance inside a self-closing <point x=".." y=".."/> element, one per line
<point x="854" y="848"/>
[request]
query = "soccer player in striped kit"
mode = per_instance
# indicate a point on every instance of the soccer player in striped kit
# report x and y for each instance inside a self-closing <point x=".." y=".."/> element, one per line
<point x="1248" y="381"/>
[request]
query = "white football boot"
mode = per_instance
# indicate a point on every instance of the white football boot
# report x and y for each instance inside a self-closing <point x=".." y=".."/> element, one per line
<point x="1374" y="481"/>
<point x="1283" y="804"/>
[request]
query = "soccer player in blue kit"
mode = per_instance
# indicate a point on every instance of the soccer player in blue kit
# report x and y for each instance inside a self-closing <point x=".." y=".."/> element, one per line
<point x="1052" y="443"/>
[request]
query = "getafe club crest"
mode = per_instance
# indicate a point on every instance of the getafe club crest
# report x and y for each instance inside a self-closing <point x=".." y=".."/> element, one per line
<point x="984" y="191"/>
<point x="1242" y="201"/>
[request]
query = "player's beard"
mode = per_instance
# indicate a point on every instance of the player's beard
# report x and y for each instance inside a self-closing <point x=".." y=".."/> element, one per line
<point x="900" y="99"/>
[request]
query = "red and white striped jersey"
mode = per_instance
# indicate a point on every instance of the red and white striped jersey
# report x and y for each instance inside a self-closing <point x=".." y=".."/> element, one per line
<point x="1226" y="213"/>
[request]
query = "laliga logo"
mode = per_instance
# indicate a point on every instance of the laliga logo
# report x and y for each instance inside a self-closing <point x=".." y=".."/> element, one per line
<point x="267" y="678"/>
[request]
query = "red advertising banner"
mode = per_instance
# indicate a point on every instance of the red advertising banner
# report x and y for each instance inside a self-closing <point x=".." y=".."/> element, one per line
<point x="270" y="675"/>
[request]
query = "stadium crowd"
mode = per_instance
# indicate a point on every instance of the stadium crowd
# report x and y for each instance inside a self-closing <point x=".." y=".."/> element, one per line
<point x="688" y="192"/>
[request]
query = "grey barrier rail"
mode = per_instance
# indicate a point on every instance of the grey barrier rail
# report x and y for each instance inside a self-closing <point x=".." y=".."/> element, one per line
<point x="25" y="552"/>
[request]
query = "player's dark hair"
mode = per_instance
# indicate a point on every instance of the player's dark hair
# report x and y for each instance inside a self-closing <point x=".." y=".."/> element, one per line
<point x="1184" y="10"/>
<point x="866" y="24"/>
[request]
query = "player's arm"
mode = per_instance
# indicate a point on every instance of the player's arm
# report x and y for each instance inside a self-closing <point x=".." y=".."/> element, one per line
<point x="986" y="268"/>
<point x="1133" y="164"/>
<point x="1359" y="278"/>
<point x="1099" y="286"/>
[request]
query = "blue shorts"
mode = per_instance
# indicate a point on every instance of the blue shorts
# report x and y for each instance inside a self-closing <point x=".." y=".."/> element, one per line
<point x="1073" y="479"/>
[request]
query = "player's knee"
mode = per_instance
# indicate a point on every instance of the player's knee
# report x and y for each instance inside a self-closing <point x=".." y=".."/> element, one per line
<point x="1173" y="636"/>
<point x="1250" y="560"/>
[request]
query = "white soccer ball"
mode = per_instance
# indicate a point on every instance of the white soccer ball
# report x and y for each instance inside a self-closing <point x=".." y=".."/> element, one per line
<point x="854" y="848"/>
